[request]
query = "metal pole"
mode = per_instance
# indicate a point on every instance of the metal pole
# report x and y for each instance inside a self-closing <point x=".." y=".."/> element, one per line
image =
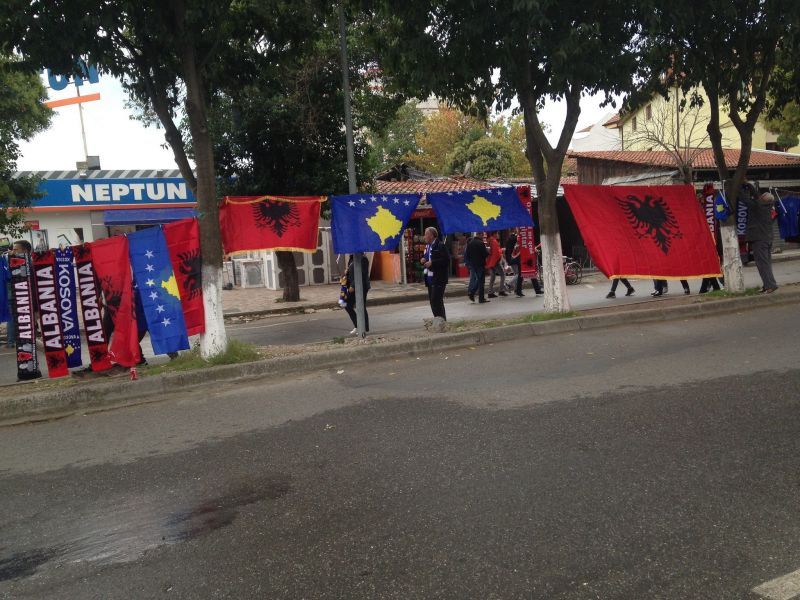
<point x="351" y="171"/>
<point x="403" y="274"/>
<point x="83" y="130"/>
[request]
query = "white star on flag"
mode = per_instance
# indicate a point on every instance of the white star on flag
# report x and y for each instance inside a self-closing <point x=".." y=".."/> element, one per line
<point x="149" y="254"/>
<point x="153" y="295"/>
<point x="362" y="200"/>
<point x="166" y="322"/>
<point x="160" y="308"/>
<point x="406" y="202"/>
<point x="373" y="198"/>
<point x="150" y="283"/>
<point x="150" y="268"/>
<point x="449" y="193"/>
<point x="384" y="198"/>
<point x="351" y="203"/>
<point x="396" y="201"/>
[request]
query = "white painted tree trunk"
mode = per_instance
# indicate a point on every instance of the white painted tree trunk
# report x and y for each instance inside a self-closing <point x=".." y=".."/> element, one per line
<point x="731" y="260"/>
<point x="215" y="340"/>
<point x="555" y="285"/>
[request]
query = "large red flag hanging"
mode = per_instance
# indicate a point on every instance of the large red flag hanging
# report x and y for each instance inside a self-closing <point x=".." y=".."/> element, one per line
<point x="654" y="232"/>
<point x="90" y="309"/>
<point x="113" y="268"/>
<point x="183" y="241"/>
<point x="270" y="223"/>
<point x="44" y="269"/>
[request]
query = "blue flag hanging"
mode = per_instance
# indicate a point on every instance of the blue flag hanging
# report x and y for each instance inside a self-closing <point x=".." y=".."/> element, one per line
<point x="161" y="300"/>
<point x="68" y="307"/>
<point x="721" y="208"/>
<point x="480" y="210"/>
<point x="370" y="222"/>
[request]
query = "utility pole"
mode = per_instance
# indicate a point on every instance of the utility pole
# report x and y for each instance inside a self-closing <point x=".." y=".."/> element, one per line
<point x="351" y="172"/>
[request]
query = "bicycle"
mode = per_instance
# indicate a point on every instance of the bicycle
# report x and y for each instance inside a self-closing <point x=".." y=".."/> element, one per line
<point x="573" y="271"/>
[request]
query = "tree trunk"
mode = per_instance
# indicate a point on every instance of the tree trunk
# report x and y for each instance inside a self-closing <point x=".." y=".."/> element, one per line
<point x="556" y="298"/>
<point x="731" y="260"/>
<point x="214" y="341"/>
<point x="291" y="284"/>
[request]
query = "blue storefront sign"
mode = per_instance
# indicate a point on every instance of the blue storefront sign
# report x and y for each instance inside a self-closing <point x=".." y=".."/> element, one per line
<point x="101" y="193"/>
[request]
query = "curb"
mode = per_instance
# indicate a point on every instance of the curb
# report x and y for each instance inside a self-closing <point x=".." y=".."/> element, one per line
<point x="50" y="404"/>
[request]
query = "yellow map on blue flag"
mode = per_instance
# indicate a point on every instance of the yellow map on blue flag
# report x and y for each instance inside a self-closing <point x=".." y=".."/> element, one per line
<point x="370" y="222"/>
<point x="480" y="210"/>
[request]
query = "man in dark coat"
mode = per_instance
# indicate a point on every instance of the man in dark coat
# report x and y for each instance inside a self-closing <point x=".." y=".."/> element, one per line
<point x="476" y="255"/>
<point x="437" y="271"/>
<point x="759" y="234"/>
<point x="350" y="304"/>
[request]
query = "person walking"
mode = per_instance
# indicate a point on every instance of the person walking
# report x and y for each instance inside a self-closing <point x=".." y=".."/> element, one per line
<point x="476" y="255"/>
<point x="759" y="234"/>
<point x="615" y="283"/>
<point x="494" y="264"/>
<point x="661" y="287"/>
<point x="512" y="252"/>
<point x="436" y="262"/>
<point x="350" y="302"/>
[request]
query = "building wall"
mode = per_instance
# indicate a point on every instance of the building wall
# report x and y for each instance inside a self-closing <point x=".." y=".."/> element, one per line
<point x="64" y="228"/>
<point x="692" y="128"/>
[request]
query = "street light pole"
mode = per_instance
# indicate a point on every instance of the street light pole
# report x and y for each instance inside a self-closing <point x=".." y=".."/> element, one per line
<point x="351" y="171"/>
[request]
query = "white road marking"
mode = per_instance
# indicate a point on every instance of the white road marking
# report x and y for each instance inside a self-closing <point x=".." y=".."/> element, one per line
<point x="235" y="328"/>
<point x="782" y="588"/>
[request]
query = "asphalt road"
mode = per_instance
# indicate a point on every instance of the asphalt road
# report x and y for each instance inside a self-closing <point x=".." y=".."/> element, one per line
<point x="658" y="461"/>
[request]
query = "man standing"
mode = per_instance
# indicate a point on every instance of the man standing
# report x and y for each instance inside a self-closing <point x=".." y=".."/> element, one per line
<point x="494" y="266"/>
<point x="759" y="234"/>
<point x="350" y="305"/>
<point x="476" y="255"/>
<point x="437" y="266"/>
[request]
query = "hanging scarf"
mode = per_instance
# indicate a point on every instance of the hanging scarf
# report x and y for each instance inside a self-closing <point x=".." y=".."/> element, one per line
<point x="96" y="339"/>
<point x="22" y="283"/>
<point x="44" y="269"/>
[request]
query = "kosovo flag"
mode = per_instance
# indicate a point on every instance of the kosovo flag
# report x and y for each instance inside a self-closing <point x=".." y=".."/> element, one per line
<point x="370" y="223"/>
<point x="721" y="208"/>
<point x="480" y="210"/>
<point x="161" y="298"/>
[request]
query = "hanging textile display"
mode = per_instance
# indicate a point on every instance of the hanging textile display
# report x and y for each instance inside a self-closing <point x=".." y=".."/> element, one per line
<point x="529" y="267"/>
<point x="183" y="241"/>
<point x="641" y="232"/>
<point x="68" y="307"/>
<point x="5" y="288"/>
<point x="44" y="269"/>
<point x="96" y="340"/>
<point x="22" y="284"/>
<point x="789" y="216"/>
<point x="112" y="266"/>
<point x="709" y="202"/>
<point x="480" y="210"/>
<point x="368" y="222"/>
<point x="158" y="290"/>
<point x="270" y="223"/>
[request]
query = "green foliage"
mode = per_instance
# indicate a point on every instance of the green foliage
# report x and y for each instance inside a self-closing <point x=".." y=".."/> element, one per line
<point x="398" y="140"/>
<point x="22" y="115"/>
<point x="786" y="124"/>
<point x="487" y="158"/>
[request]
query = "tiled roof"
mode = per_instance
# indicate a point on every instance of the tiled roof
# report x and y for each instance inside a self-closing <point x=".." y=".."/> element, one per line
<point x="450" y="184"/>
<point x="612" y="121"/>
<point x="703" y="160"/>
<point x="569" y="180"/>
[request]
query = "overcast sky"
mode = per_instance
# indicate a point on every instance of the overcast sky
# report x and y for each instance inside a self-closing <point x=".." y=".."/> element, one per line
<point x="123" y="143"/>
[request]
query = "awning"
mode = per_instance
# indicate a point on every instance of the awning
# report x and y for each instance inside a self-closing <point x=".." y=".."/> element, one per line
<point x="146" y="216"/>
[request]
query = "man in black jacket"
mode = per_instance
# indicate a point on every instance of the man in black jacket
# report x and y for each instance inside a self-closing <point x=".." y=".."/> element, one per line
<point x="475" y="255"/>
<point x="759" y="234"/>
<point x="350" y="305"/>
<point x="437" y="271"/>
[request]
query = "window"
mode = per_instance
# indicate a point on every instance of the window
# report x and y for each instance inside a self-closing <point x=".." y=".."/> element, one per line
<point x="648" y="112"/>
<point x="633" y="124"/>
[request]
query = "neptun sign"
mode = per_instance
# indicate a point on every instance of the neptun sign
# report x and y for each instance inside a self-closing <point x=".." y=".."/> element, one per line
<point x="68" y="191"/>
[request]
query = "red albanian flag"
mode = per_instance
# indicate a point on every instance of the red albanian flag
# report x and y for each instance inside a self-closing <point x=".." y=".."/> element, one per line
<point x="655" y="232"/>
<point x="183" y="242"/>
<point x="270" y="223"/>
<point x="113" y="268"/>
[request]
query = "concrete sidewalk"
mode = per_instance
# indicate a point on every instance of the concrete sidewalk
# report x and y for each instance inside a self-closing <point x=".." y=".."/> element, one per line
<point x="241" y="302"/>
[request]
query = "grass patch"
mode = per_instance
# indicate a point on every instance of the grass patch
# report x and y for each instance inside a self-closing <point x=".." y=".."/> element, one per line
<point x="727" y="294"/>
<point x="338" y="340"/>
<point x="237" y="352"/>
<point x="549" y="316"/>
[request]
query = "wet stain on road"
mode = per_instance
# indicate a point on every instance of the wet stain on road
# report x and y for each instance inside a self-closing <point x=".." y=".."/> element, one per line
<point x="122" y="531"/>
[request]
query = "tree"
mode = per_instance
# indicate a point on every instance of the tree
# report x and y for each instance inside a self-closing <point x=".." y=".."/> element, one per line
<point x="485" y="158"/>
<point x="22" y="115"/>
<point x="439" y="137"/>
<point x="675" y="126"/>
<point x="786" y="123"/>
<point x="280" y="130"/>
<point x="483" y="53"/>
<point x="398" y="140"/>
<point x="734" y="65"/>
